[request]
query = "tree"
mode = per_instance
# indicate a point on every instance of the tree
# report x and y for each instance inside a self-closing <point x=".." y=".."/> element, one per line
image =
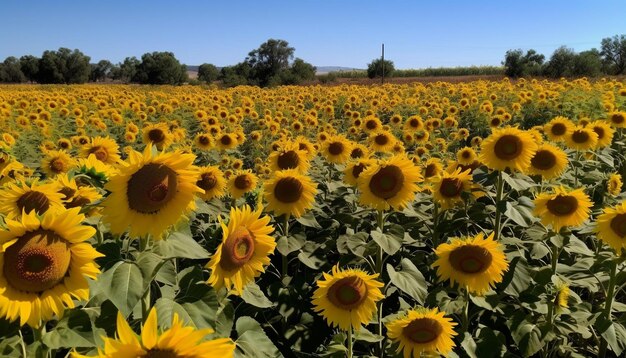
<point x="208" y="73"/>
<point x="269" y="60"/>
<point x="302" y="71"/>
<point x="375" y="68"/>
<point x="64" y="66"/>
<point x="160" y="68"/>
<point x="125" y="71"/>
<point x="30" y="67"/>
<point x="587" y="63"/>
<point x="516" y="64"/>
<point x="613" y="51"/>
<point x="10" y="71"/>
<point x="237" y="75"/>
<point x="561" y="63"/>
<point x="101" y="70"/>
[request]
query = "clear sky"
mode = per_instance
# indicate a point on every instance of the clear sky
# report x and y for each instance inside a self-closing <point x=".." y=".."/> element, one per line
<point x="417" y="34"/>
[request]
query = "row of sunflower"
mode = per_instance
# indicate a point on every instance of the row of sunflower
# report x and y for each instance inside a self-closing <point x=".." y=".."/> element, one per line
<point x="470" y="219"/>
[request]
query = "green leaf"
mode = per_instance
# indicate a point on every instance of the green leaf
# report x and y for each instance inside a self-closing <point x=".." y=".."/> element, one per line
<point x="469" y="345"/>
<point x="123" y="285"/>
<point x="309" y="220"/>
<point x="252" y="341"/>
<point x="75" y="329"/>
<point x="517" y="278"/>
<point x="519" y="182"/>
<point x="365" y="335"/>
<point x="410" y="280"/>
<point x="614" y="333"/>
<point x="253" y="295"/>
<point x="527" y="335"/>
<point x="519" y="214"/>
<point x="389" y="243"/>
<point x="180" y="245"/>
<point x="286" y="245"/>
<point x="358" y="244"/>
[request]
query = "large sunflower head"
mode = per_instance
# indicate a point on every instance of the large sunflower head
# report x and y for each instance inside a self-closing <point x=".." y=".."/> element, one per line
<point x="211" y="180"/>
<point x="104" y="149"/>
<point x="57" y="162"/>
<point x="336" y="149"/>
<point x="558" y="128"/>
<point x="347" y="298"/>
<point x="244" y="251"/>
<point x="421" y="331"/>
<point x="43" y="264"/>
<point x="241" y="182"/>
<point x="20" y="197"/>
<point x="473" y="262"/>
<point x="563" y="208"/>
<point x="157" y="135"/>
<point x="180" y="340"/>
<point x="604" y="131"/>
<point x="581" y="138"/>
<point x="549" y="161"/>
<point x="611" y="227"/>
<point x="151" y="192"/>
<point x="508" y="148"/>
<point x="289" y="156"/>
<point x="382" y="141"/>
<point x="355" y="168"/>
<point x="289" y="192"/>
<point x="391" y="183"/>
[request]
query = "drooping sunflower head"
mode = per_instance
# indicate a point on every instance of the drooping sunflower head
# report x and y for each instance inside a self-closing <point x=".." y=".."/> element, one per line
<point x="611" y="227"/>
<point x="336" y="149"/>
<point x="549" y="161"/>
<point x="508" y="148"/>
<point x="347" y="298"/>
<point x="57" y="162"/>
<point x="289" y="156"/>
<point x="95" y="169"/>
<point x="355" y="168"/>
<point x="422" y="331"/>
<point x="557" y="129"/>
<point x="391" y="183"/>
<point x="151" y="192"/>
<point x="581" y="138"/>
<point x="241" y="182"/>
<point x="289" y="192"/>
<point x="476" y="263"/>
<point x="22" y="198"/>
<point x="211" y="180"/>
<point x="244" y="251"/>
<point x="43" y="264"/>
<point x="614" y="185"/>
<point x="563" y="208"/>
<point x="104" y="149"/>
<point x="562" y="295"/>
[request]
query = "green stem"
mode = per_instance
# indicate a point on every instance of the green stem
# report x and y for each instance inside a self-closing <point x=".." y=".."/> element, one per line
<point x="380" y="219"/>
<point x="435" y="225"/>
<point x="466" y="311"/>
<point x="499" y="190"/>
<point x="576" y="169"/>
<point x="551" y="303"/>
<point x="285" y="259"/>
<point x="608" y="304"/>
<point x="350" y="343"/>
<point x="145" y="304"/>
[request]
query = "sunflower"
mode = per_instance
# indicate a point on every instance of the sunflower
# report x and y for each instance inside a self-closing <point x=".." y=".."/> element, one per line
<point x="347" y="298"/>
<point x="558" y="128"/>
<point x="289" y="192"/>
<point x="382" y="141"/>
<point x="618" y="119"/>
<point x="422" y="330"/>
<point x="508" y="148"/>
<point x="43" y="262"/>
<point x="211" y="180"/>
<point x="244" y="251"/>
<point x="203" y="141"/>
<point x="306" y="145"/>
<point x="355" y="168"/>
<point x="432" y="168"/>
<point x="336" y="149"/>
<point x="562" y="295"/>
<point x="104" y="149"/>
<point x="241" y="182"/>
<point x="226" y="141"/>
<point x="414" y="123"/>
<point x="20" y="197"/>
<point x="158" y="135"/>
<point x="611" y="227"/>
<point x="581" y="138"/>
<point x="391" y="183"/>
<point x="448" y="188"/>
<point x="614" y="185"/>
<point x="179" y="340"/>
<point x="151" y="192"/>
<point x="95" y="169"/>
<point x="604" y="132"/>
<point x="288" y="156"/>
<point x="466" y="156"/>
<point x="549" y="161"/>
<point x="473" y="262"/>
<point x="562" y="208"/>
<point x="57" y="162"/>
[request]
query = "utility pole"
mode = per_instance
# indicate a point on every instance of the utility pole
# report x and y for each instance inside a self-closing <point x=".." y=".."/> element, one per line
<point x="382" y="79"/>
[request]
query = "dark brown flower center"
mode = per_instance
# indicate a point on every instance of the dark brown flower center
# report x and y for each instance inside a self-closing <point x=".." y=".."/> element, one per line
<point x="288" y="190"/>
<point x="226" y="139"/>
<point x="422" y="330"/>
<point x="204" y="140"/>
<point x="38" y="261"/>
<point x="78" y="201"/>
<point x="100" y="153"/>
<point x="207" y="181"/>
<point x="33" y="200"/>
<point x="470" y="259"/>
<point x="414" y="122"/>
<point x="381" y="139"/>
<point x="580" y="136"/>
<point x="387" y="182"/>
<point x="356" y="153"/>
<point x="57" y="166"/>
<point x="156" y="135"/>
<point x="67" y="192"/>
<point x="430" y="170"/>
<point x="237" y="250"/>
<point x="347" y="293"/>
<point x="543" y="160"/>
<point x="151" y="188"/>
<point x="562" y="205"/>
<point x="288" y="160"/>
<point x="618" y="225"/>
<point x="451" y="187"/>
<point x="357" y="169"/>
<point x="508" y="147"/>
<point x="64" y="145"/>
<point x="371" y="124"/>
<point x="160" y="353"/>
<point x="243" y="182"/>
<point x="335" y="148"/>
<point x="558" y="129"/>
<point x="599" y="131"/>
<point x="466" y="154"/>
<point x="617" y="118"/>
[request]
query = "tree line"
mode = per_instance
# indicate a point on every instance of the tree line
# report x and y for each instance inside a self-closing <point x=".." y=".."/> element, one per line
<point x="271" y="64"/>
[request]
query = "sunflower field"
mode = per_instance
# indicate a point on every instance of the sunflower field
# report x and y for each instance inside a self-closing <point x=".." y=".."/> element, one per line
<point x="477" y="219"/>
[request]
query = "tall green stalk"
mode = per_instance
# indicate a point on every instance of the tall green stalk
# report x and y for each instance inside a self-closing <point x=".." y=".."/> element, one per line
<point x="285" y="259"/>
<point x="608" y="304"/>
<point x="498" y="220"/>
<point x="380" y="219"/>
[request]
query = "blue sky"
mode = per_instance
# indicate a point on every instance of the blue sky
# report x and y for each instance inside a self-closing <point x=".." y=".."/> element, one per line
<point x="340" y="33"/>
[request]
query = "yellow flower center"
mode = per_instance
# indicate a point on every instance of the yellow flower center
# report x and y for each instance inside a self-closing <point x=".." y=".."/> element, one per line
<point x="422" y="330"/>
<point x="347" y="293"/>
<point x="470" y="259"/>
<point x="288" y="190"/>
<point x="387" y="182"/>
<point x="237" y="250"/>
<point x="618" y="225"/>
<point x="33" y="200"/>
<point x="508" y="147"/>
<point x="288" y="160"/>
<point x="37" y="261"/>
<point x="151" y="188"/>
<point x="543" y="160"/>
<point x="562" y="205"/>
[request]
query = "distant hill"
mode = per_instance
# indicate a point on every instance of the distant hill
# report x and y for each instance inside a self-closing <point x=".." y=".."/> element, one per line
<point x="326" y="69"/>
